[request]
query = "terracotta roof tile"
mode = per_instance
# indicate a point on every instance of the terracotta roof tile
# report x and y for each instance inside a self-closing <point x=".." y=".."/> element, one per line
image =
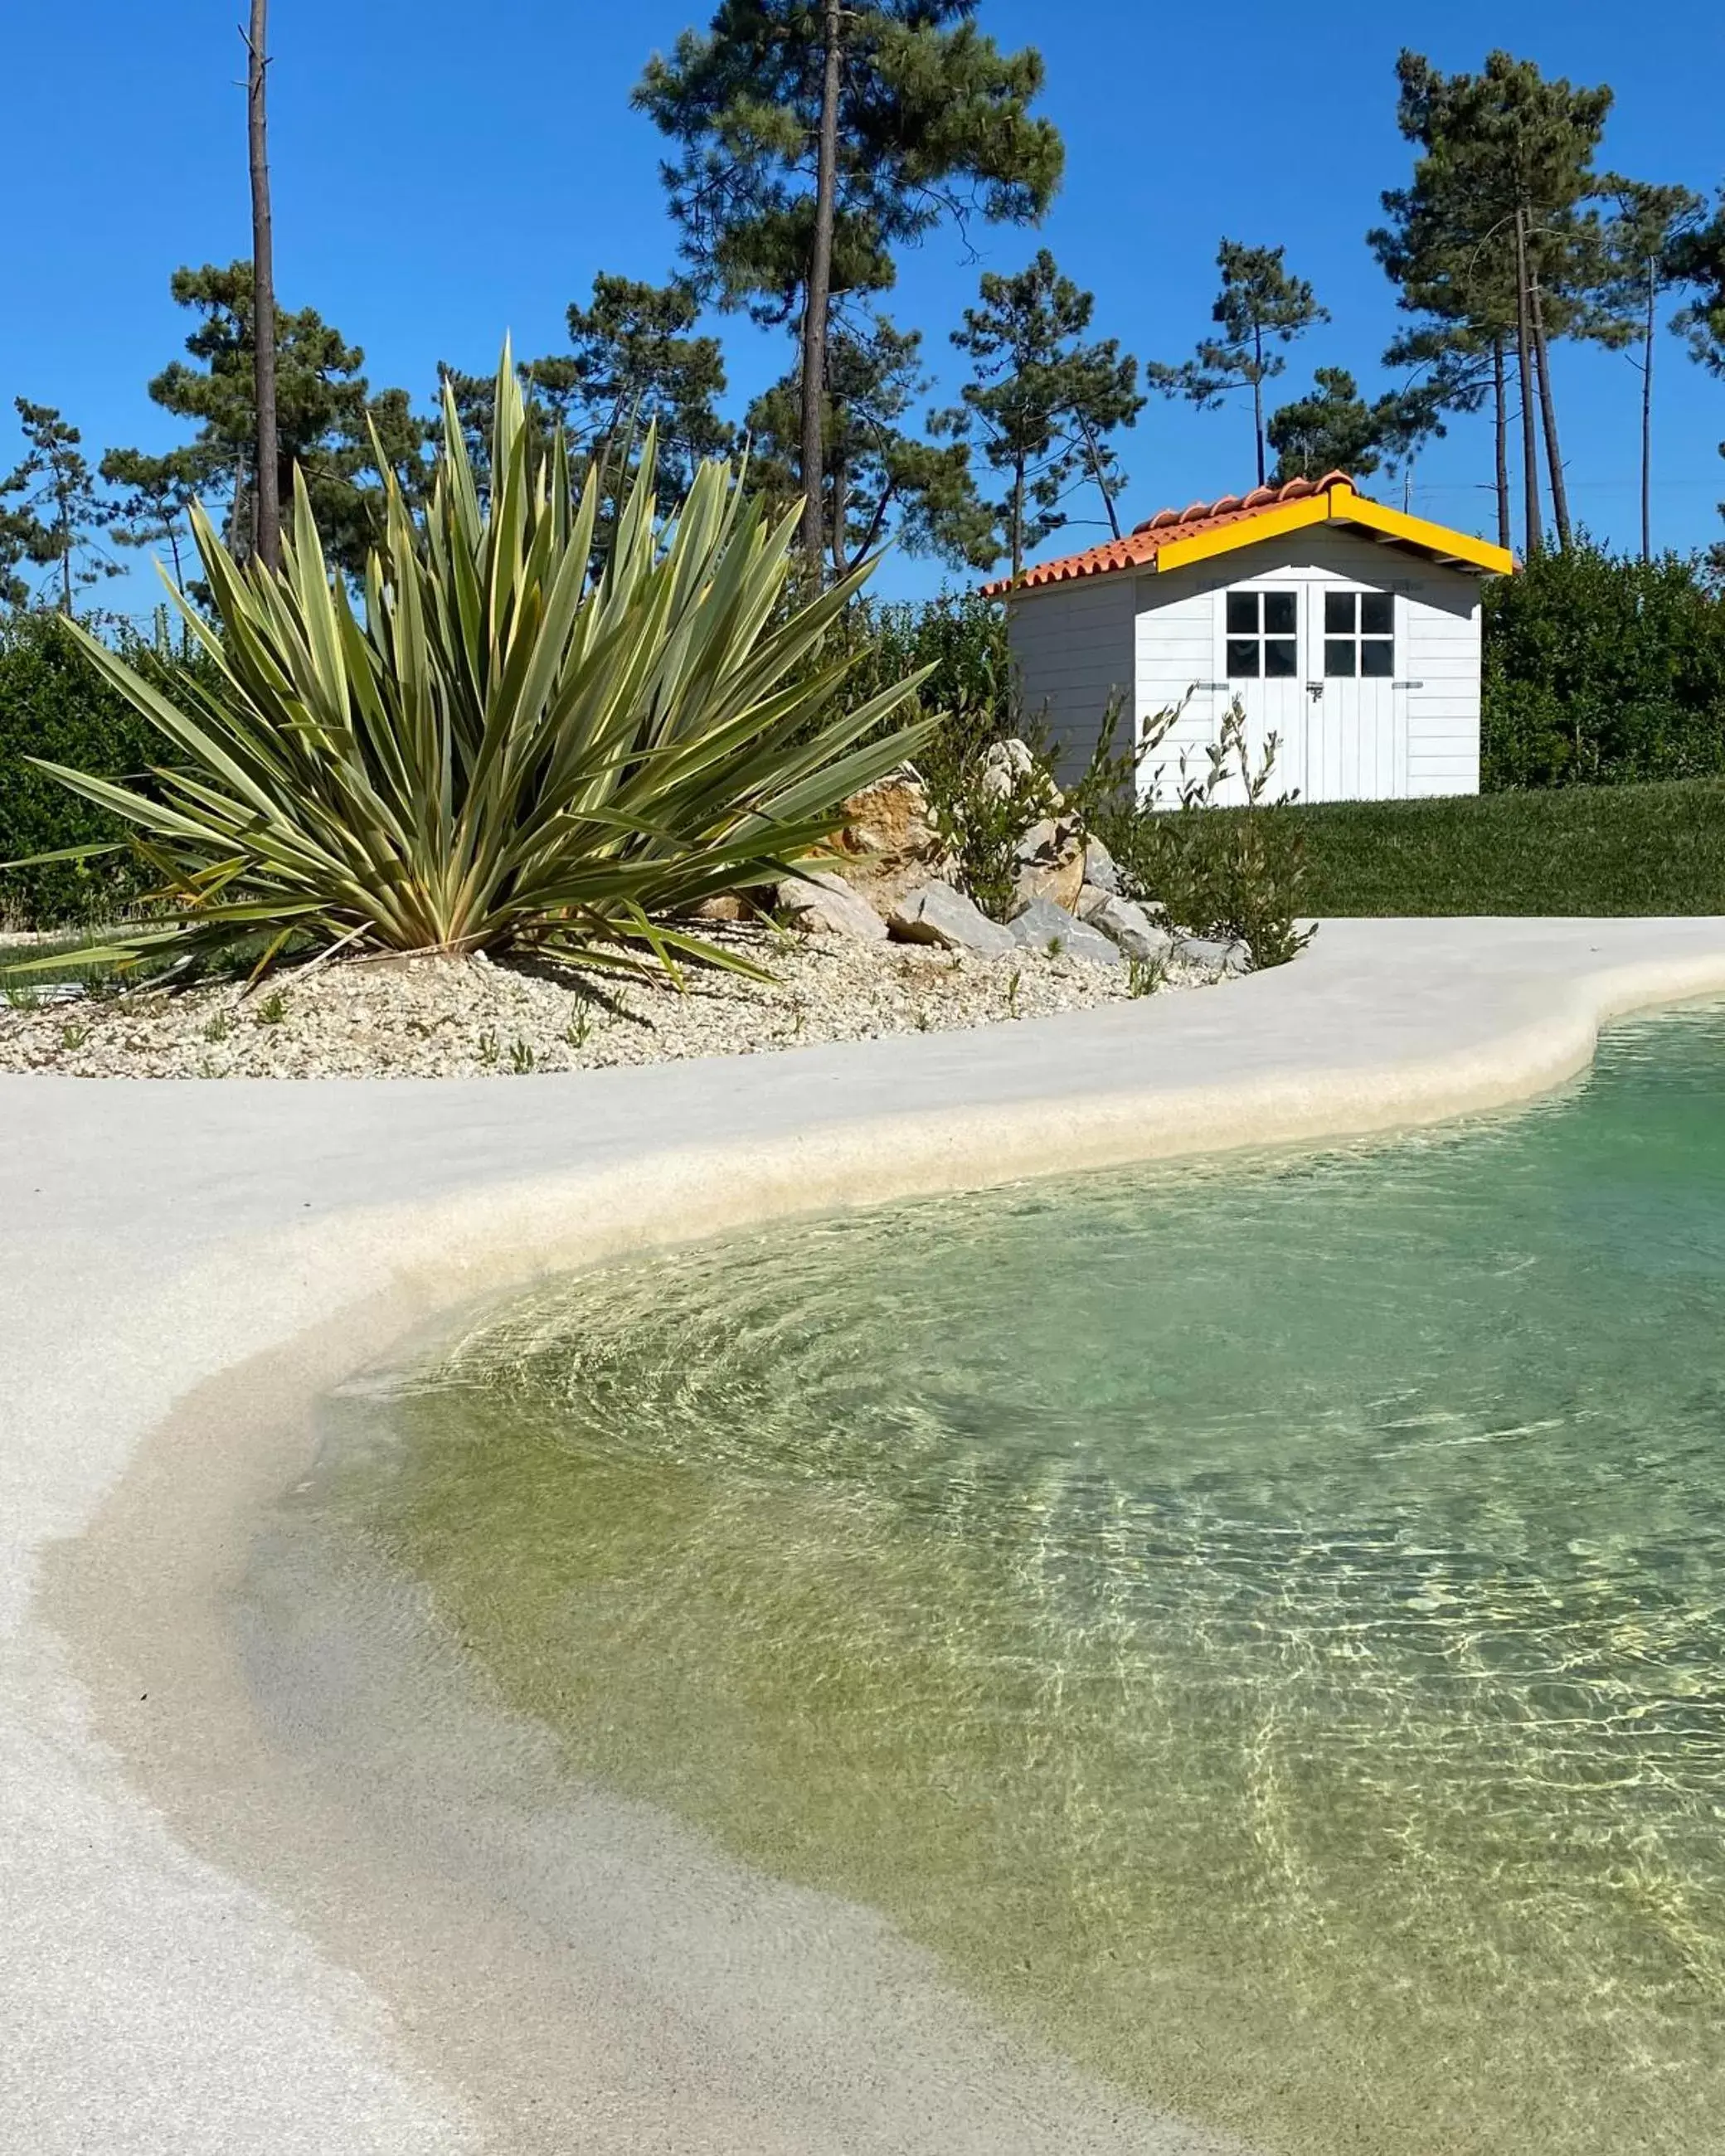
<point x="1140" y="546"/>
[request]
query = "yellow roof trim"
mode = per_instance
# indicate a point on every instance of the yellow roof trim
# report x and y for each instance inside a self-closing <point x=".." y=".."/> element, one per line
<point x="1336" y="505"/>
<point x="1435" y="538"/>
<point x="1267" y="524"/>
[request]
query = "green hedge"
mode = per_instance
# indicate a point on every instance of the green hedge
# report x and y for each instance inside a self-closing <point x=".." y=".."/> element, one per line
<point x="1603" y="670"/>
<point x="52" y="704"/>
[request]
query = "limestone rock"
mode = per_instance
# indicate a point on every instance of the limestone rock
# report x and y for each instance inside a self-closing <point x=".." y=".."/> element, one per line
<point x="1050" y="863"/>
<point x="823" y="904"/>
<point x="1006" y="766"/>
<point x="939" y="914"/>
<point x="1042" y="926"/>
<point x="888" y="845"/>
<point x="1211" y="952"/>
<point x="1126" y="924"/>
<point x="723" y="906"/>
<point x="1099" y="866"/>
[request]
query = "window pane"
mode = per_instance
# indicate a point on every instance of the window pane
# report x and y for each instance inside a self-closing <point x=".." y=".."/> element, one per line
<point x="1242" y="616"/>
<point x="1243" y="661"/>
<point x="1338" y="613"/>
<point x="1338" y="658"/>
<point x="1281" y="613"/>
<point x="1377" y="656"/>
<point x="1282" y="658"/>
<point x="1377" y="612"/>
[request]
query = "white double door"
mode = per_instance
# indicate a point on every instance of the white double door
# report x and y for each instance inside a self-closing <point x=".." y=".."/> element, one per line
<point x="1339" y="718"/>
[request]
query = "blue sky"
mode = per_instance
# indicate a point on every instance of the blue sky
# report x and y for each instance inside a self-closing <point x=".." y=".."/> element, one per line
<point x="445" y="172"/>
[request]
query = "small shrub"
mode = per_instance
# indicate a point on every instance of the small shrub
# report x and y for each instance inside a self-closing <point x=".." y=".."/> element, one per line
<point x="1236" y="874"/>
<point x="981" y="812"/>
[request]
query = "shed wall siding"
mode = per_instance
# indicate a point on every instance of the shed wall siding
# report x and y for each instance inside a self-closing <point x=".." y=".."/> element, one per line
<point x="1072" y="646"/>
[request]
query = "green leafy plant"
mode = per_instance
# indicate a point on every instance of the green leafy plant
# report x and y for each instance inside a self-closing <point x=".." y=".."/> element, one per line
<point x="521" y="1058"/>
<point x="1236" y="873"/>
<point x="273" y="1008"/>
<point x="981" y="819"/>
<point x="498" y="747"/>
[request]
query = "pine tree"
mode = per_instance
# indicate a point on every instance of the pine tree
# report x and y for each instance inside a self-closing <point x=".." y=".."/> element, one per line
<point x="1041" y="402"/>
<point x="1335" y="429"/>
<point x="325" y="413"/>
<point x="1648" y="226"/>
<point x="813" y="139"/>
<point x="635" y="363"/>
<point x="1696" y="260"/>
<point x="160" y="491"/>
<point x="1260" y="306"/>
<point x="59" y="513"/>
<point x="875" y="470"/>
<point x="1493" y="234"/>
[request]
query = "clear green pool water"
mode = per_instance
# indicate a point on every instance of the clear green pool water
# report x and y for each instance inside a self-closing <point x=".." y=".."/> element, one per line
<point x="1263" y="1626"/>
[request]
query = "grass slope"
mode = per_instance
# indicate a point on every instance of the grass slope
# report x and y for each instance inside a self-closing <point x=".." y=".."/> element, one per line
<point x="1581" y="849"/>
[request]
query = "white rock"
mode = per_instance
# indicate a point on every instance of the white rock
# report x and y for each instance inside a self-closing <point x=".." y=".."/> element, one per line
<point x="1006" y="764"/>
<point x="1210" y="952"/>
<point x="1043" y="926"/>
<point x="1099" y="866"/>
<point x="823" y="904"/>
<point x="1125" y="923"/>
<point x="939" y="914"/>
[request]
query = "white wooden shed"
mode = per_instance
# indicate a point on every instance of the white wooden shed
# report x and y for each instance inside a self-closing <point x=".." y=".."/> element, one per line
<point x="1348" y="629"/>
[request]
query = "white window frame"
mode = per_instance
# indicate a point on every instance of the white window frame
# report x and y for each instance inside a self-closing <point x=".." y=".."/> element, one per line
<point x="1358" y="637"/>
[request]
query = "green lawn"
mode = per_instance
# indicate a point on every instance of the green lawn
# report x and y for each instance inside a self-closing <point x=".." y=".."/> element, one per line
<point x="1574" y="849"/>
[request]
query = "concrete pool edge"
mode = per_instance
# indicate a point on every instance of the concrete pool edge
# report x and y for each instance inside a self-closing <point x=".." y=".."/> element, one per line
<point x="171" y="1327"/>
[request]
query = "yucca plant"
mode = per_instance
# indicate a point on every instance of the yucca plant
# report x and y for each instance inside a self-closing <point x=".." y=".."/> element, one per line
<point x="509" y="745"/>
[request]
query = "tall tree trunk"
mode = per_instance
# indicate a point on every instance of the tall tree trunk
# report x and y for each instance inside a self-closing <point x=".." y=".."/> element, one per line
<point x="1500" y="427"/>
<point x="1258" y="396"/>
<point x="1098" y="474"/>
<point x="820" y="293"/>
<point x="1647" y="336"/>
<point x="1017" y="520"/>
<point x="1549" y="411"/>
<point x="1533" y="537"/>
<point x="841" y="517"/>
<point x="266" y="536"/>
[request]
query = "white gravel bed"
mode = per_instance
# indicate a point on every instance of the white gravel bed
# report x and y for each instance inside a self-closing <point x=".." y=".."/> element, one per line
<point x="430" y="1017"/>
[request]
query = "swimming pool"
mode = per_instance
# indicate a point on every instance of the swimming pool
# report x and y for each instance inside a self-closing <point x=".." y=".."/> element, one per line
<point x="1262" y="1624"/>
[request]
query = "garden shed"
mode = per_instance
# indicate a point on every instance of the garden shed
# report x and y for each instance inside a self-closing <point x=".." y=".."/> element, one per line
<point x="1348" y="629"/>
